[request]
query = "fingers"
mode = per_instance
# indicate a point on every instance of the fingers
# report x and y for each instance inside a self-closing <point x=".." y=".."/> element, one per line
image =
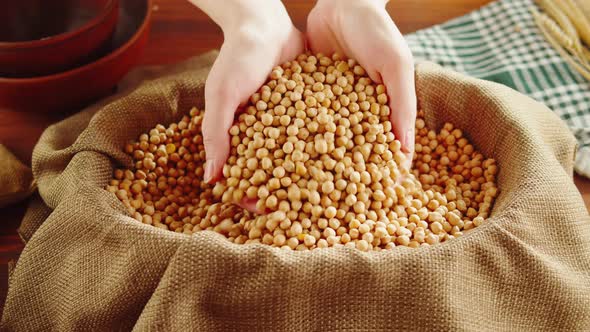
<point x="221" y="102"/>
<point x="250" y="204"/>
<point x="398" y="77"/>
<point x="320" y="39"/>
<point x="295" y="45"/>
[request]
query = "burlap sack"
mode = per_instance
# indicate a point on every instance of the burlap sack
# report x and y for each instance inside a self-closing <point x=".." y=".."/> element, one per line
<point x="89" y="266"/>
<point x="16" y="179"/>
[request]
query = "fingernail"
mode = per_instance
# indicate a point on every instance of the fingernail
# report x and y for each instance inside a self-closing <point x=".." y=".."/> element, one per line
<point x="408" y="164"/>
<point x="409" y="141"/>
<point x="209" y="170"/>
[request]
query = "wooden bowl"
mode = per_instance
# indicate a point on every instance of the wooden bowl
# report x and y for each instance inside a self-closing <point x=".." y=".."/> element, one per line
<point x="40" y="37"/>
<point x="74" y="88"/>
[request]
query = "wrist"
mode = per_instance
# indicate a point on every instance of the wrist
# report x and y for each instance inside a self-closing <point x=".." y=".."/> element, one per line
<point x="234" y="16"/>
<point x="377" y="3"/>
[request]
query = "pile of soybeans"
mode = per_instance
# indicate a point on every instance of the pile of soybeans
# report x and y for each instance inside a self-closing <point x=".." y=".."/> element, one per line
<point x="315" y="148"/>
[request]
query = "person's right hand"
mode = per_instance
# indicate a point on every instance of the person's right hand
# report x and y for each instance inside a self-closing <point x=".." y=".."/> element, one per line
<point x="363" y="30"/>
<point x="258" y="35"/>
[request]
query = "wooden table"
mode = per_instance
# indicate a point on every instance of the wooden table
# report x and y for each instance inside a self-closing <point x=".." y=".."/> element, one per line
<point x="180" y="31"/>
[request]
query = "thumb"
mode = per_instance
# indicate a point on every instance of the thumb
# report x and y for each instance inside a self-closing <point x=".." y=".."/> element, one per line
<point x="221" y="102"/>
<point x="398" y="77"/>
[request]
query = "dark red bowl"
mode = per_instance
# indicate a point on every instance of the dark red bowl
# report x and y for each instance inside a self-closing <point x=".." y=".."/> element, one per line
<point x="76" y="87"/>
<point x="40" y="37"/>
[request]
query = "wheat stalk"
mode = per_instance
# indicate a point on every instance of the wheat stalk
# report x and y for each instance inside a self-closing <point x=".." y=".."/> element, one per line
<point x="562" y="19"/>
<point x="577" y="17"/>
<point x="563" y="43"/>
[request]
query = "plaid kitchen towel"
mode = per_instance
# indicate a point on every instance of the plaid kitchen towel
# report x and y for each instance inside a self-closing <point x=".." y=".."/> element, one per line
<point x="501" y="42"/>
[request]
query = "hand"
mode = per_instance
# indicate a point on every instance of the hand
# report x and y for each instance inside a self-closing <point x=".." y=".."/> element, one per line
<point x="258" y="35"/>
<point x="363" y="30"/>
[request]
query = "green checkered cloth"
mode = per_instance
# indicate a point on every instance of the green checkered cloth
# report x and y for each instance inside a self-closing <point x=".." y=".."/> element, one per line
<point x="501" y="42"/>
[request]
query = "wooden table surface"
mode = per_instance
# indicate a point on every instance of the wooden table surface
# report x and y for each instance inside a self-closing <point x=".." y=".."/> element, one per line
<point x="180" y="31"/>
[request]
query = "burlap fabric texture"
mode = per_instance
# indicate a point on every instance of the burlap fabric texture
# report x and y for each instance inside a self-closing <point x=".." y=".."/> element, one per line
<point x="16" y="179"/>
<point x="89" y="266"/>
